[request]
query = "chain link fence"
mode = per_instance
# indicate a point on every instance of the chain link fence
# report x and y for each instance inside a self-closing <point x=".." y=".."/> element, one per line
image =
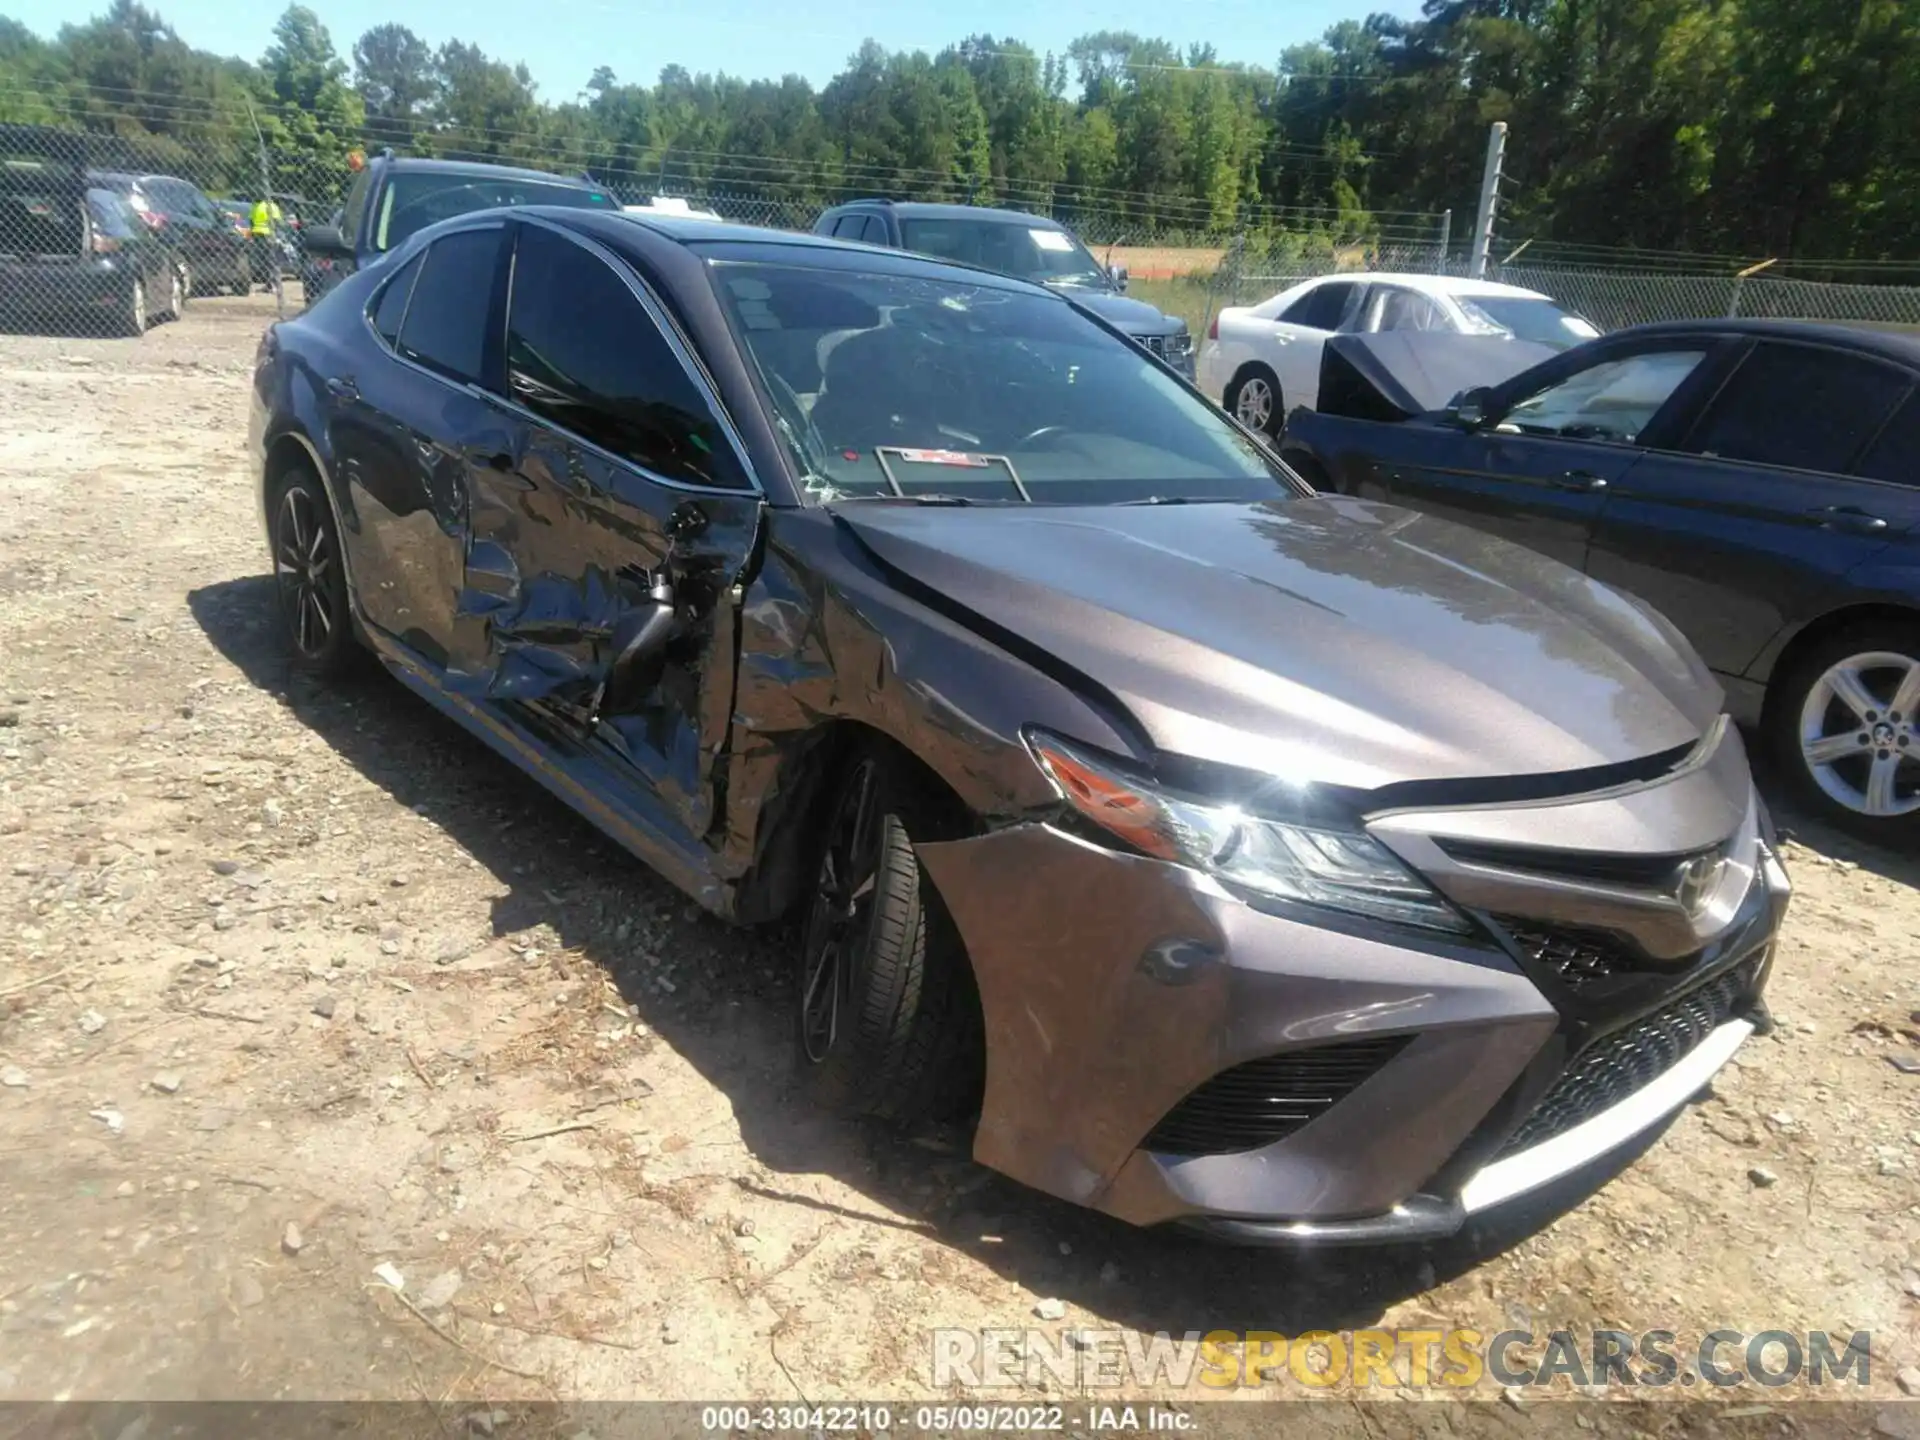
<point x="109" y="235"/>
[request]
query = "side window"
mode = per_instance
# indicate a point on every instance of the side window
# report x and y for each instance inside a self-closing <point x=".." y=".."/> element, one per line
<point x="1392" y="308"/>
<point x="1321" y="307"/>
<point x="583" y="352"/>
<point x="446" y="322"/>
<point x="1614" y="400"/>
<point x="849" y="227"/>
<point x="391" y="305"/>
<point x="354" y="207"/>
<point x="1798" y="406"/>
<point x="875" y="232"/>
<point x="1895" y="453"/>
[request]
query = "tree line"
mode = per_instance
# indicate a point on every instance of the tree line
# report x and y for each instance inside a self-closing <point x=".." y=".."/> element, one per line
<point x="1737" y="127"/>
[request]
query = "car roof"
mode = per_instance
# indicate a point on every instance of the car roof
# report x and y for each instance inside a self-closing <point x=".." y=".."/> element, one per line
<point x="715" y="237"/>
<point x="930" y="210"/>
<point x="1888" y="344"/>
<point x="1432" y="284"/>
<point x="481" y="169"/>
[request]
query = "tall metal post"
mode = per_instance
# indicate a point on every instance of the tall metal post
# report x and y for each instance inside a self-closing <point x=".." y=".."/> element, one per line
<point x="1489" y="196"/>
<point x="1446" y="239"/>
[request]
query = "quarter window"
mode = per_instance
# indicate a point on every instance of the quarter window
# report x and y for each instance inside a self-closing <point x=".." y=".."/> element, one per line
<point x="446" y="321"/>
<point x="1799" y="406"/>
<point x="392" y="304"/>
<point x="583" y="352"/>
<point x="1614" y="400"/>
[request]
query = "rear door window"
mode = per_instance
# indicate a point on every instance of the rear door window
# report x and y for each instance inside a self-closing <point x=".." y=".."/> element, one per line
<point x="875" y="231"/>
<point x="446" y="319"/>
<point x="1895" y="452"/>
<point x="1802" y="407"/>
<point x="1321" y="307"/>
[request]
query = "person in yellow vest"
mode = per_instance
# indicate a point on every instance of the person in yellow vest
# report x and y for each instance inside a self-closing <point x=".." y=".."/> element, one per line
<point x="266" y="222"/>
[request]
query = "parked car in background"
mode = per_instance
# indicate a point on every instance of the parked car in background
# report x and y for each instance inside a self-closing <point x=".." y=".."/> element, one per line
<point x="1288" y="866"/>
<point x="77" y="257"/>
<point x="1028" y="247"/>
<point x="671" y="205"/>
<point x="1263" y="360"/>
<point x="393" y="196"/>
<point x="1756" y="481"/>
<point x="212" y="256"/>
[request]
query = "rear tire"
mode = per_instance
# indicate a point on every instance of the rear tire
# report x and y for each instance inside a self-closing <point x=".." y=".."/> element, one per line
<point x="310" y="577"/>
<point x="176" y="294"/>
<point x="1843" y="724"/>
<point x="1254" y="399"/>
<point x="133" y="319"/>
<point x="886" y="1016"/>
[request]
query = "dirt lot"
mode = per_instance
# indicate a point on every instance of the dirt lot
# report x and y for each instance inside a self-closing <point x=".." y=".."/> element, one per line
<point x="295" y="984"/>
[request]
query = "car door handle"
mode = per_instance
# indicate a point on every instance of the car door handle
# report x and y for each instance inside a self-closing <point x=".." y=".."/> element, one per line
<point x="343" y="387"/>
<point x="1848" y="518"/>
<point x="1580" y="480"/>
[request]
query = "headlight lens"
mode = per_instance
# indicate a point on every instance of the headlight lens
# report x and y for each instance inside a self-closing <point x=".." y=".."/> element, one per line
<point x="1306" y="864"/>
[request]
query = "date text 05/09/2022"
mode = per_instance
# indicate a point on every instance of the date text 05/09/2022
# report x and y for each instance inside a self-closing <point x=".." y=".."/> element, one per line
<point x="940" y="1419"/>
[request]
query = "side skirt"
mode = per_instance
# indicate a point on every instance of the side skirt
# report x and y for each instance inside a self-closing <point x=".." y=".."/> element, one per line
<point x="600" y="791"/>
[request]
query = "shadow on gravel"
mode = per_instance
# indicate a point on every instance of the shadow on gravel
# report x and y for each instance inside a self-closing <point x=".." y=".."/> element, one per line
<point x="729" y="1017"/>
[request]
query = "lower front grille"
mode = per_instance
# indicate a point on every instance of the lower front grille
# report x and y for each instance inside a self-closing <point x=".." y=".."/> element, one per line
<point x="1616" y="1065"/>
<point x="1268" y="1099"/>
<point x="1577" y="958"/>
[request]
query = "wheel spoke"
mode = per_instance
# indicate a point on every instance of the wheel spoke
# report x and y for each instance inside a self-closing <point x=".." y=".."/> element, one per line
<point x="317" y="545"/>
<point x="1830" y="748"/>
<point x="1851" y="691"/>
<point x="1880" y="797"/>
<point x="302" y="621"/>
<point x="320" y="613"/>
<point x="1907" y="697"/>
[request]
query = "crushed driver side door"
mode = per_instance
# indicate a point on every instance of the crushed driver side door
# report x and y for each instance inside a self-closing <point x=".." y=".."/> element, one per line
<point x="608" y="533"/>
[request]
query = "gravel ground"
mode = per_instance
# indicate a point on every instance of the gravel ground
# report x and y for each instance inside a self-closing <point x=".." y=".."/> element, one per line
<point x="295" y="984"/>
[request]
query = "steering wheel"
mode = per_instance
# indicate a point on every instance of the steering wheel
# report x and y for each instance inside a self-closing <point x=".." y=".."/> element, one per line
<point x="1045" y="432"/>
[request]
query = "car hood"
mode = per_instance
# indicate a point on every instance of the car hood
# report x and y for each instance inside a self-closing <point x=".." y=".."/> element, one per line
<point x="1136" y="317"/>
<point x="1330" y="640"/>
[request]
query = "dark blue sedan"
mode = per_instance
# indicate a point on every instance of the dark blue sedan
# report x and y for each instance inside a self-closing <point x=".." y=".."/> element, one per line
<point x="1758" y="481"/>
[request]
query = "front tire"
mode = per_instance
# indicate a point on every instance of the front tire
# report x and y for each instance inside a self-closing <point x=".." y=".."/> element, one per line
<point x="176" y="294"/>
<point x="1843" y="723"/>
<point x="1254" y="399"/>
<point x="310" y="578"/>
<point x="886" y="1016"/>
<point x="242" y="275"/>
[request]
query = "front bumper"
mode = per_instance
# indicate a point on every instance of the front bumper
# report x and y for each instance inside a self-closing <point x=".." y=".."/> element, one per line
<point x="1097" y="1034"/>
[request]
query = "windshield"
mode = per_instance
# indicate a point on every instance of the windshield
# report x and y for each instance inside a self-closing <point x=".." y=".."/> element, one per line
<point x="1525" y="318"/>
<point x="888" y="384"/>
<point x="1037" y="252"/>
<point x="414" y="200"/>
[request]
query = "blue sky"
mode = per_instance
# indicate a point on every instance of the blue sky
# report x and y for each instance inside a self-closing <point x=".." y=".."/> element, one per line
<point x="561" y="41"/>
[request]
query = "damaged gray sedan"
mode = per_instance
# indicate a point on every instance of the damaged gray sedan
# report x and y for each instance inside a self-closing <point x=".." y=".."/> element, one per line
<point x="1294" y="867"/>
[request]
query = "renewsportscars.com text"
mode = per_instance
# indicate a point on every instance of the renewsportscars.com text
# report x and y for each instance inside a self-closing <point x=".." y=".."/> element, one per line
<point x="1360" y="1359"/>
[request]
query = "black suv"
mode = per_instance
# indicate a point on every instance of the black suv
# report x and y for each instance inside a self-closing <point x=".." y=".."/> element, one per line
<point x="395" y="195"/>
<point x="1013" y="242"/>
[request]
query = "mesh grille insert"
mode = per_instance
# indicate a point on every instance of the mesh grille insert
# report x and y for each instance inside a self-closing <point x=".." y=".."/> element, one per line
<point x="1268" y="1099"/>
<point x="1577" y="959"/>
<point x="1616" y="1065"/>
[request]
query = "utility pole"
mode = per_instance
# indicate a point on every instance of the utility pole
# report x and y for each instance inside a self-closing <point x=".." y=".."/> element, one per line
<point x="1446" y="239"/>
<point x="1489" y="196"/>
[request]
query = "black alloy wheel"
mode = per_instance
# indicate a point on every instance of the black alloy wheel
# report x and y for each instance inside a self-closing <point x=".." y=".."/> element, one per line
<point x="886" y="1017"/>
<point x="310" y="578"/>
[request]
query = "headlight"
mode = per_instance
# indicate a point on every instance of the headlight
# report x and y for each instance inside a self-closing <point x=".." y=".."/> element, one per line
<point x="1307" y="864"/>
